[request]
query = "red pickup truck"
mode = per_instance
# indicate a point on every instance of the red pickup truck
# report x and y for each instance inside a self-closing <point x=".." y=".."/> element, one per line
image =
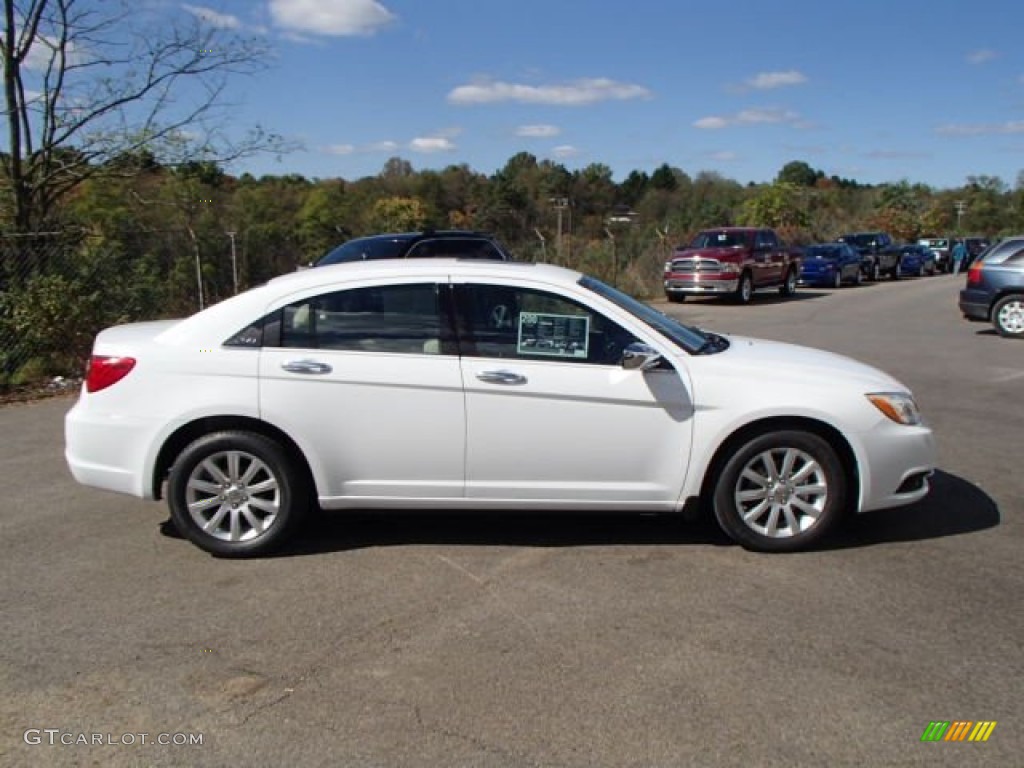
<point x="732" y="261"/>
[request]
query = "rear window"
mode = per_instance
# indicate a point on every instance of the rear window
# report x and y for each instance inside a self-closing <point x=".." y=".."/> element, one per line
<point x="364" y="249"/>
<point x="1002" y="251"/>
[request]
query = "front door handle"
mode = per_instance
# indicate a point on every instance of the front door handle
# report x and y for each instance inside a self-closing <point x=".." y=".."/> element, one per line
<point x="501" y="377"/>
<point x="306" y="366"/>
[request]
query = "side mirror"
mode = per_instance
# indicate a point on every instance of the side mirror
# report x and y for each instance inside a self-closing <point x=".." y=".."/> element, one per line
<point x="639" y="356"/>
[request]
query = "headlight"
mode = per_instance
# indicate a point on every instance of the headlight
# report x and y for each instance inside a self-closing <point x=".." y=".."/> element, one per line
<point x="730" y="268"/>
<point x="668" y="266"/>
<point x="898" y="406"/>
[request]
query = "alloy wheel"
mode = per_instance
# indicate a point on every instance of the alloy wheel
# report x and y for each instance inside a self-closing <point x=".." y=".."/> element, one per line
<point x="233" y="496"/>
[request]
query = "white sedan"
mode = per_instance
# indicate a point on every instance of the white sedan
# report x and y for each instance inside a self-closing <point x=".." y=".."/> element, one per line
<point x="444" y="384"/>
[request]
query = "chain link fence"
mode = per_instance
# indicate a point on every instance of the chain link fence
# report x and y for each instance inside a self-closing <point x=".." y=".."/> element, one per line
<point x="57" y="290"/>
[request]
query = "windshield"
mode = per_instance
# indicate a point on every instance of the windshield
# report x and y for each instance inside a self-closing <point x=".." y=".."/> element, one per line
<point x="719" y="239"/>
<point x="823" y="252"/>
<point x="858" y="241"/>
<point x="690" y="339"/>
<point x="364" y="248"/>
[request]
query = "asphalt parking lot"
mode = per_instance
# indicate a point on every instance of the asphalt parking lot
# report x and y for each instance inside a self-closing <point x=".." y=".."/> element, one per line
<point x="438" y="640"/>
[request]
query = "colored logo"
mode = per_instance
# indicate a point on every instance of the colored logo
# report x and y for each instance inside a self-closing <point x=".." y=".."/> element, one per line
<point x="958" y="730"/>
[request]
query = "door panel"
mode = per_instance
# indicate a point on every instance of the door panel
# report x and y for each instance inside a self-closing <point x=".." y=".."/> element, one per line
<point x="359" y="380"/>
<point x="547" y="416"/>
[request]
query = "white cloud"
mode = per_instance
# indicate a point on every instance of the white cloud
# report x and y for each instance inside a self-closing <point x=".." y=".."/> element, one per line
<point x="1012" y="127"/>
<point x="335" y="18"/>
<point x="538" y="131"/>
<point x="764" y="81"/>
<point x="750" y="117"/>
<point x="574" y="94"/>
<point x="981" y="56"/>
<point x="564" y="151"/>
<point x="213" y="18"/>
<point x="340" y="149"/>
<point x="431" y="144"/>
<point x="382" y="146"/>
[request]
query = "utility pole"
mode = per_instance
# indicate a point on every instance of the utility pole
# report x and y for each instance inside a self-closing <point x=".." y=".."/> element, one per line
<point x="961" y="209"/>
<point x="615" y="257"/>
<point x="543" y="245"/>
<point x="560" y="204"/>
<point x="234" y="261"/>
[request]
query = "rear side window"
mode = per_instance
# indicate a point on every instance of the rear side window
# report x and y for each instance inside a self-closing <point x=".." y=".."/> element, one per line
<point x="403" y="319"/>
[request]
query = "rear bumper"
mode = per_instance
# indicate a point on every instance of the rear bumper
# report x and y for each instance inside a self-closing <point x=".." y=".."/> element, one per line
<point x="974" y="304"/>
<point x="108" y="453"/>
<point x="698" y="284"/>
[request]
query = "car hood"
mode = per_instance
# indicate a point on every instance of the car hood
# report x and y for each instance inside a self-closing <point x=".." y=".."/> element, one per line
<point x="708" y="253"/>
<point x="760" y="359"/>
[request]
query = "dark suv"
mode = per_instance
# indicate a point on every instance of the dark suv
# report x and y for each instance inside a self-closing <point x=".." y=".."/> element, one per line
<point x="878" y="252"/>
<point x="451" y="243"/>
<point x="995" y="288"/>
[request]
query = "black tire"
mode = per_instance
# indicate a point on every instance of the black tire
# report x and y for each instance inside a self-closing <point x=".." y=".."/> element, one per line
<point x="769" y="506"/>
<point x="896" y="272"/>
<point x="676" y="298"/>
<point x="1008" y="316"/>
<point x="788" y="287"/>
<point x="744" y="289"/>
<point x="858" y="278"/>
<point x="876" y="272"/>
<point x="837" y="281"/>
<point x="920" y="271"/>
<point x="260" y="499"/>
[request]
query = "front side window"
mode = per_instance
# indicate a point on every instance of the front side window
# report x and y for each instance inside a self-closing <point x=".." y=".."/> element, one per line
<point x="524" y="323"/>
<point x="402" y="319"/>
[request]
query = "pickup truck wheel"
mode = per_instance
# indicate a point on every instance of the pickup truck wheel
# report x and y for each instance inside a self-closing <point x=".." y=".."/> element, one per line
<point x="896" y="272"/>
<point x="876" y="272"/>
<point x="780" y="492"/>
<point x="1008" y="316"/>
<point x="837" y="280"/>
<point x="235" y="494"/>
<point x="788" y="288"/>
<point x="745" y="290"/>
<point x="858" y="278"/>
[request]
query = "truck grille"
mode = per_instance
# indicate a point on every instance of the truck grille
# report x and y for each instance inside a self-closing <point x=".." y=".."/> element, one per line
<point x="696" y="265"/>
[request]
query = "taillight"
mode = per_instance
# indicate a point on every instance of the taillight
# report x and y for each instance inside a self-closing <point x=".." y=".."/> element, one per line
<point x="105" y="371"/>
<point x="974" y="274"/>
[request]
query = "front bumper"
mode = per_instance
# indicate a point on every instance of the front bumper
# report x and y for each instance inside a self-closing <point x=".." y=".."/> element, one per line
<point x="697" y="284"/>
<point x="900" y="461"/>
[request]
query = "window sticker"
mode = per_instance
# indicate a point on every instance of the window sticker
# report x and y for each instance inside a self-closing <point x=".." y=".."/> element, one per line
<point x="554" y="335"/>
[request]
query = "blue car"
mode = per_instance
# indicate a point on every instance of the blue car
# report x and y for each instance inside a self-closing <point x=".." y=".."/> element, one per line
<point x="830" y="265"/>
<point x="917" y="260"/>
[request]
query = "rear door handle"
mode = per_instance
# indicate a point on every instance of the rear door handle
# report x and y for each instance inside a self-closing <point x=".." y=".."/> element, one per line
<point x="306" y="366"/>
<point x="501" y="377"/>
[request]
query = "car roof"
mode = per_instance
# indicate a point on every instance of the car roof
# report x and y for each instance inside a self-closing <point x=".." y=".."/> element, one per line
<point x="386" y="268"/>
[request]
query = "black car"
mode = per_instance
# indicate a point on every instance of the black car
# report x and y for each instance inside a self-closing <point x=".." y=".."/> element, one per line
<point x="995" y="288"/>
<point x="447" y="243"/>
<point x="879" y="255"/>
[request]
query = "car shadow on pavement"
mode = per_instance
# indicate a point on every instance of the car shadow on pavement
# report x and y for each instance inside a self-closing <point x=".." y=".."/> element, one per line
<point x="764" y="297"/>
<point x="954" y="506"/>
<point x="337" y="531"/>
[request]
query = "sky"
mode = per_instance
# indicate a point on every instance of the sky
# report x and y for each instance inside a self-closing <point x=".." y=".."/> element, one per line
<point x="930" y="91"/>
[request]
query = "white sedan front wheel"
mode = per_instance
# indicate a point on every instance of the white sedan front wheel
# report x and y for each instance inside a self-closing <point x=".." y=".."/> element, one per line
<point x="780" y="492"/>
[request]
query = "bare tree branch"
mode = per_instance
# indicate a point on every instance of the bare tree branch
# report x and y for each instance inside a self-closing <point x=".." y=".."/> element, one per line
<point x="86" y="83"/>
